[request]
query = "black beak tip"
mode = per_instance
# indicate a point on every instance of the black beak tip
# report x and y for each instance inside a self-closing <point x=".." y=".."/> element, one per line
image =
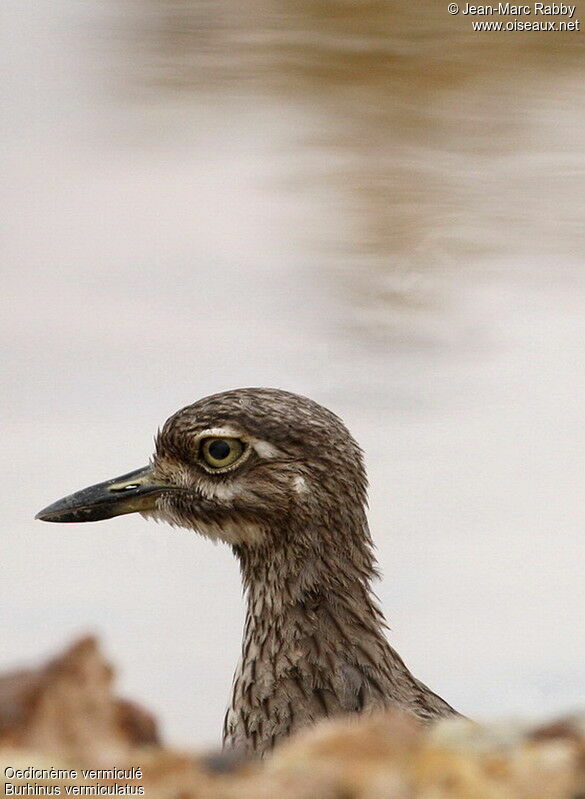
<point x="54" y="514"/>
<point x="44" y="515"/>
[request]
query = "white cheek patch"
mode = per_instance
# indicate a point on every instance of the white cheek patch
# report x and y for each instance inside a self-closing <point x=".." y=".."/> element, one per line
<point x="224" y="492"/>
<point x="300" y="484"/>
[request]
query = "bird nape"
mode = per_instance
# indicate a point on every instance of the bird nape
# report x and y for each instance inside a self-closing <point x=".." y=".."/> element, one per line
<point x="280" y="479"/>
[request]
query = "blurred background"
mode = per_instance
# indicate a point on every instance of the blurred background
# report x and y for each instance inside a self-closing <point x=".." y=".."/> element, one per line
<point x="363" y="202"/>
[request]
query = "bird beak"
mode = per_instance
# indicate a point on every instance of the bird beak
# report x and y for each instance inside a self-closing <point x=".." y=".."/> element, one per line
<point x="136" y="491"/>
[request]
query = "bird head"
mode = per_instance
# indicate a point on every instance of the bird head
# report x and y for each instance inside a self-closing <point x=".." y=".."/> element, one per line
<point x="239" y="466"/>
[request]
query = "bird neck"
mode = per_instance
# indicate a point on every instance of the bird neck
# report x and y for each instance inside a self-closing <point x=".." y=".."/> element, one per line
<point x="312" y="635"/>
<point x="312" y="582"/>
<point x="314" y="642"/>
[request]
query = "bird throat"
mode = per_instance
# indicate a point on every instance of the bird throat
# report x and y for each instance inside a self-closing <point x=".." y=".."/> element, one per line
<point x="311" y="628"/>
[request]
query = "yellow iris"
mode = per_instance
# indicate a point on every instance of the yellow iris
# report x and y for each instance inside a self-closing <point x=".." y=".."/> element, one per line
<point x="221" y="452"/>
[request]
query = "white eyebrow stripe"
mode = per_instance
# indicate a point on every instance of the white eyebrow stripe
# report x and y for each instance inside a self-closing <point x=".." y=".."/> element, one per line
<point x="221" y="432"/>
<point x="265" y="449"/>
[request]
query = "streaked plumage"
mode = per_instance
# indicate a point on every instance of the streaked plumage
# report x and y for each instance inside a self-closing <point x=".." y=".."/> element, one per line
<point x="293" y="507"/>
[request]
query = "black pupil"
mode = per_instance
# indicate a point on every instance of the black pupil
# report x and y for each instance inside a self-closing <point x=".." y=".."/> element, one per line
<point x="219" y="450"/>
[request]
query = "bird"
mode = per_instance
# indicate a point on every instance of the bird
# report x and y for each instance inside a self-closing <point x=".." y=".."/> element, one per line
<point x="278" y="478"/>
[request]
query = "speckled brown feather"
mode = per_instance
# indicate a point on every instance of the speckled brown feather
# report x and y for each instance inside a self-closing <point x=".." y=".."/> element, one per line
<point x="314" y="642"/>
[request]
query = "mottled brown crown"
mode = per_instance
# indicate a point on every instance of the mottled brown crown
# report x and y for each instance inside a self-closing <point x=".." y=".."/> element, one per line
<point x="299" y="426"/>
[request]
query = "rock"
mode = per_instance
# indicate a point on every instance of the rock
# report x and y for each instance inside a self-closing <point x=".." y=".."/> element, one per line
<point x="67" y="708"/>
<point x="354" y="756"/>
<point x="65" y="715"/>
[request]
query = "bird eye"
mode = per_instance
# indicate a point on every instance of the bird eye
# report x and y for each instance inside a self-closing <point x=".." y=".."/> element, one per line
<point x="220" y="452"/>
